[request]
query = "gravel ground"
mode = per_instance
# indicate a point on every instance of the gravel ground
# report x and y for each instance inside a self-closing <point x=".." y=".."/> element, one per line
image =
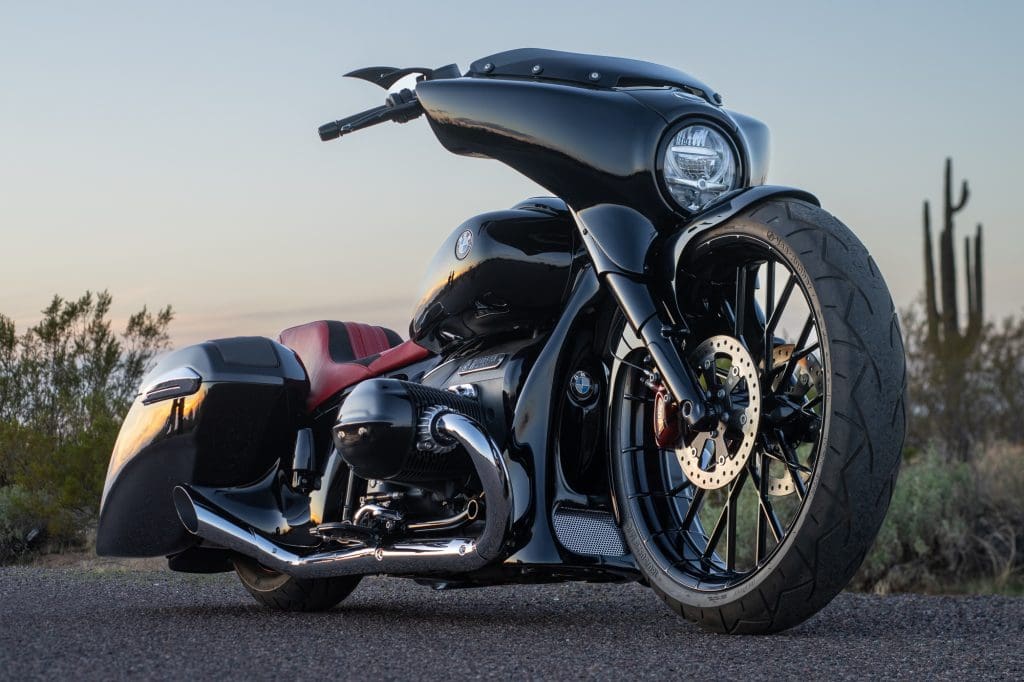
<point x="100" y="623"/>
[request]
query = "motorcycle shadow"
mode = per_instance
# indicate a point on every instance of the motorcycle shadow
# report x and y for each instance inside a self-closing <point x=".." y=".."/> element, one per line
<point x="620" y="611"/>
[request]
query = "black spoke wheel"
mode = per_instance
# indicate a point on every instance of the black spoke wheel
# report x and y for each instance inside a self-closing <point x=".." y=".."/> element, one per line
<point x="754" y="519"/>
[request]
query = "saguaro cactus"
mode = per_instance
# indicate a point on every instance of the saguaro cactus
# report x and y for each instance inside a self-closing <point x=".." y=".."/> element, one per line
<point x="945" y="338"/>
<point x="948" y="346"/>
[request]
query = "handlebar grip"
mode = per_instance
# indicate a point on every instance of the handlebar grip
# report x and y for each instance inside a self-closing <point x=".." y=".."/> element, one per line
<point x="335" y="129"/>
<point x="388" y="112"/>
<point x="330" y="131"/>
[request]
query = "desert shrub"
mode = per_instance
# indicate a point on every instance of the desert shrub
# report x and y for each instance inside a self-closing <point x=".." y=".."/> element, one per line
<point x="1000" y="489"/>
<point x="21" y="526"/>
<point x="950" y="523"/>
<point x="924" y="536"/>
<point x="65" y="385"/>
<point x="957" y="512"/>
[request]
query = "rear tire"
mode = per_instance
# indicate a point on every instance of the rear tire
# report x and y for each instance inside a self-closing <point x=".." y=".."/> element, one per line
<point x="286" y="593"/>
<point x="857" y="443"/>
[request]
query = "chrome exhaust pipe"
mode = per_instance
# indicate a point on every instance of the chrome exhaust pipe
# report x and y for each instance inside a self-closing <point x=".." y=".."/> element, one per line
<point x="441" y="555"/>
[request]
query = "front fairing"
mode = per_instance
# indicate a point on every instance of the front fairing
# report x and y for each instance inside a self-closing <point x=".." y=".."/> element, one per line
<point x="588" y="146"/>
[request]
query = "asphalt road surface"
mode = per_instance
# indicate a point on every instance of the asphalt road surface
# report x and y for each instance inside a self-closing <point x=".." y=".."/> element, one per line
<point x="101" y="624"/>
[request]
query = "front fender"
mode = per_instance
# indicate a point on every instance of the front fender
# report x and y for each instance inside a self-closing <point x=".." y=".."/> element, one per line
<point x="672" y="249"/>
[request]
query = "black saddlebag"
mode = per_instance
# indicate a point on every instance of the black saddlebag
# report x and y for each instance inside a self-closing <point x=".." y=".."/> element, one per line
<point x="220" y="413"/>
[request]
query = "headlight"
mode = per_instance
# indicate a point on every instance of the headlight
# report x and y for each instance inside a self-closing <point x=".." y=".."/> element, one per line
<point x="700" y="165"/>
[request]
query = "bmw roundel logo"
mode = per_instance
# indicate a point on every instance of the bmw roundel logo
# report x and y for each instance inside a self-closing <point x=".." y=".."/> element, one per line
<point x="464" y="245"/>
<point x="582" y="386"/>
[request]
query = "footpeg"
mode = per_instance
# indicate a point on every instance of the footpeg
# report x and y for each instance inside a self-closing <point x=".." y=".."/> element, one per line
<point x="345" y="531"/>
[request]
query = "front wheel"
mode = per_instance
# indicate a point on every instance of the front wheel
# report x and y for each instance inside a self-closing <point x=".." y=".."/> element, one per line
<point x="756" y="518"/>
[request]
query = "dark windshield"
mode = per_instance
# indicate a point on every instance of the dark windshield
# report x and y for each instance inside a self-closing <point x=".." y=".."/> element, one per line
<point x="586" y="69"/>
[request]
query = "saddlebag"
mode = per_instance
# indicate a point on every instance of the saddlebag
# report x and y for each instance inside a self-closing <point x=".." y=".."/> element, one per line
<point x="220" y="414"/>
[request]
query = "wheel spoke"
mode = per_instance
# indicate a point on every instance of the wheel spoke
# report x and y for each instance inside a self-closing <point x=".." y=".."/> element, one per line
<point x="780" y="306"/>
<point x="793" y="466"/>
<point x="765" y="505"/>
<point x="762" y="532"/>
<point x="691" y="512"/>
<point x="769" y="298"/>
<point x="730" y="548"/>
<point x="740" y="309"/>
<point x="799" y="352"/>
<point x="716" y="534"/>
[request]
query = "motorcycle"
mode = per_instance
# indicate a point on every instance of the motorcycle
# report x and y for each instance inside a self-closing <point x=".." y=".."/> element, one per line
<point x="668" y="373"/>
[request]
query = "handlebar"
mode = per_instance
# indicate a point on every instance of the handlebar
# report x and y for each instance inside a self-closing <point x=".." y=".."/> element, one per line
<point x="394" y="110"/>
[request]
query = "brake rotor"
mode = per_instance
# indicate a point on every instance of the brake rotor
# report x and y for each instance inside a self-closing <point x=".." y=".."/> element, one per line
<point x="806" y="375"/>
<point x="712" y="458"/>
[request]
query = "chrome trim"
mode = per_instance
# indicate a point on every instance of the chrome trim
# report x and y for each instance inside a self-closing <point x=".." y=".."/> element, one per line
<point x="690" y="149"/>
<point x="444" y="555"/>
<point x="450" y="523"/>
<point x="375" y="511"/>
<point x="465" y="390"/>
<point x="174" y="383"/>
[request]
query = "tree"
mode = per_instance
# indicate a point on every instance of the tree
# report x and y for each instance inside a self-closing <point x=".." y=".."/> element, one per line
<point x="65" y="385"/>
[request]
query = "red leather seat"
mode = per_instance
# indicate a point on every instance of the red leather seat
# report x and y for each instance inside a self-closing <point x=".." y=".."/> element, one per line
<point x="337" y="355"/>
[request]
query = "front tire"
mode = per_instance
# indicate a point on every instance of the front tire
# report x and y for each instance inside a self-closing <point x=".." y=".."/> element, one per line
<point x="833" y="428"/>
<point x="285" y="593"/>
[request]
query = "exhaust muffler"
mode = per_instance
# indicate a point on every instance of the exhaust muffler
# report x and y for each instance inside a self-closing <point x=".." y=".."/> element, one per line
<point x="444" y="555"/>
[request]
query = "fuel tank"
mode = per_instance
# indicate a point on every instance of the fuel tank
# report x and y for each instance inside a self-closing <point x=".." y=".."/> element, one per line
<point x="504" y="272"/>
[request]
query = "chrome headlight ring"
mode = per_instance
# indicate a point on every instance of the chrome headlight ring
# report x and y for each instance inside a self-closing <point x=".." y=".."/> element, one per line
<point x="697" y="163"/>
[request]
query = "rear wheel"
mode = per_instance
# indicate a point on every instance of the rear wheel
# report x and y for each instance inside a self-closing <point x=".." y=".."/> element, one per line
<point x="283" y="592"/>
<point x="753" y="520"/>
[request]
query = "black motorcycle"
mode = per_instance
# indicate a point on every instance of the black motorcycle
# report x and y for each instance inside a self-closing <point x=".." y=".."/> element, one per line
<point x="671" y="373"/>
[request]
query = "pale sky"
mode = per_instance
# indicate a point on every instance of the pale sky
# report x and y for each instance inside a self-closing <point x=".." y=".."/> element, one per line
<point x="168" y="151"/>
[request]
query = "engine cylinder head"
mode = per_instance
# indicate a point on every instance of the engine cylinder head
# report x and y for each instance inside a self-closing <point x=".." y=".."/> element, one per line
<point x="385" y="431"/>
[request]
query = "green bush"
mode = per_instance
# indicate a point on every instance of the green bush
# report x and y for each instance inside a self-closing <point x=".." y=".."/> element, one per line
<point x="20" y="522"/>
<point x="65" y="385"/>
<point x="950" y="523"/>
<point x="925" y="532"/>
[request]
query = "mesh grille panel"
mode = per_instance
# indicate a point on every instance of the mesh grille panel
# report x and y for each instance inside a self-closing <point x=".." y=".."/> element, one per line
<point x="586" y="531"/>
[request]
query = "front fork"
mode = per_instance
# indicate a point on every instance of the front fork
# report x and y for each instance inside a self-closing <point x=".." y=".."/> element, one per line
<point x="619" y="241"/>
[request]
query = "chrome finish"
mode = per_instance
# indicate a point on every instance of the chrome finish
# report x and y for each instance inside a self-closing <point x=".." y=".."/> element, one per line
<point x="175" y="383"/>
<point x="493" y="472"/>
<point x="375" y="511"/>
<point x="445" y="555"/>
<point x="690" y="149"/>
<point x="699" y="184"/>
<point x="465" y="390"/>
<point x="468" y="515"/>
<point x="449" y="523"/>
<point x="482" y="363"/>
